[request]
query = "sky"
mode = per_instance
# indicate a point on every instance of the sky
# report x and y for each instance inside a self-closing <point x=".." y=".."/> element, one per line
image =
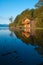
<point x="10" y="8"/>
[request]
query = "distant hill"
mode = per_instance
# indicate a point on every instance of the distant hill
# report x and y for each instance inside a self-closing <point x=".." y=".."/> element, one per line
<point x="3" y="25"/>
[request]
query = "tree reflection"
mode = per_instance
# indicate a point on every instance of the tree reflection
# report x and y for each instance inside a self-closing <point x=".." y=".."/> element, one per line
<point x="40" y="50"/>
<point x="11" y="34"/>
<point x="34" y="38"/>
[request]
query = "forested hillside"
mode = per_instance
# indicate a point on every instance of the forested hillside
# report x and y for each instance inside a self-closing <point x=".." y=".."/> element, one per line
<point x="35" y="14"/>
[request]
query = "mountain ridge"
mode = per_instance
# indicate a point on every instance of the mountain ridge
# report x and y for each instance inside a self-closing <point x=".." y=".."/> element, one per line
<point x="3" y="25"/>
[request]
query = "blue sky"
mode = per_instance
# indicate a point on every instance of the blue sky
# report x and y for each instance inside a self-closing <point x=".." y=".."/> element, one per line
<point x="10" y="8"/>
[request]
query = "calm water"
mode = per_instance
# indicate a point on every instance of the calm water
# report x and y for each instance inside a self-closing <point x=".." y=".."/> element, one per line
<point x="20" y="47"/>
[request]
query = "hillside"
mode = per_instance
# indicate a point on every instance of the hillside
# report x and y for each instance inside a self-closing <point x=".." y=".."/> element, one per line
<point x="34" y="15"/>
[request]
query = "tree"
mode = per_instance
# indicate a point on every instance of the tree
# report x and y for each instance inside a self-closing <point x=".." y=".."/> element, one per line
<point x="40" y="3"/>
<point x="11" y="19"/>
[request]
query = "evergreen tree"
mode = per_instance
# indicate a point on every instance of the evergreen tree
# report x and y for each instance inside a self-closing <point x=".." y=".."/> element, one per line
<point x="40" y="3"/>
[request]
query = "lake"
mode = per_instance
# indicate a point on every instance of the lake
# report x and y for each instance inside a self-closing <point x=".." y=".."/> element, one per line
<point x="19" y="47"/>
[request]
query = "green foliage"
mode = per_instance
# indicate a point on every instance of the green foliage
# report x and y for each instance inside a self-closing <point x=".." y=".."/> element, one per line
<point x="33" y="14"/>
<point x="10" y="19"/>
<point x="40" y="3"/>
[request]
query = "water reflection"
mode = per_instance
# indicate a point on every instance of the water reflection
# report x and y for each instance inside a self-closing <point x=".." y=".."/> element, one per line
<point x="8" y="53"/>
<point x="11" y="34"/>
<point x="35" y="38"/>
<point x="26" y="34"/>
<point x="40" y="50"/>
<point x="21" y="47"/>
